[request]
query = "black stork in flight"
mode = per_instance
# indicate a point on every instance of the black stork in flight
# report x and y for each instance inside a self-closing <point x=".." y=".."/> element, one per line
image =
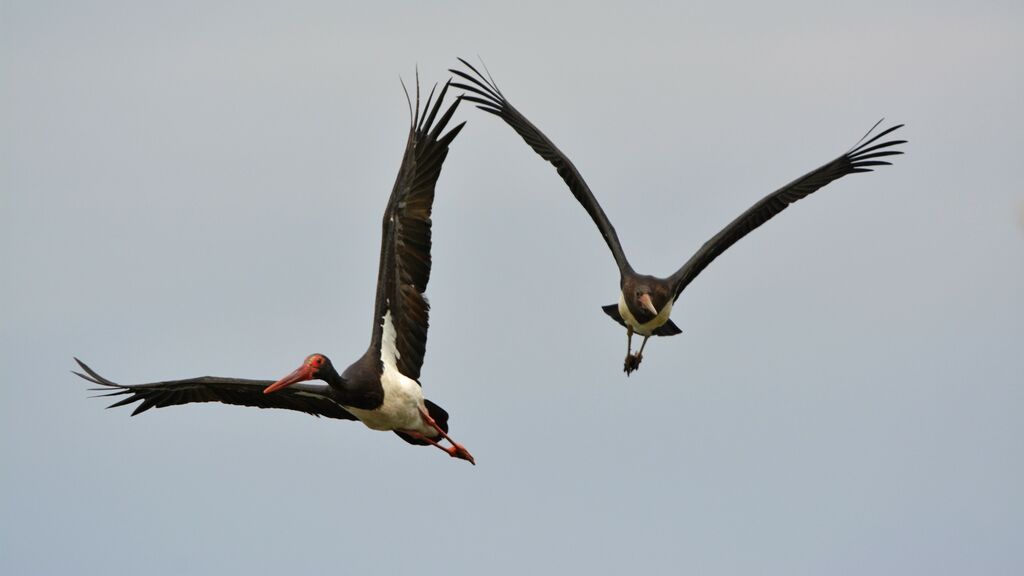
<point x="645" y="302"/>
<point x="381" y="388"/>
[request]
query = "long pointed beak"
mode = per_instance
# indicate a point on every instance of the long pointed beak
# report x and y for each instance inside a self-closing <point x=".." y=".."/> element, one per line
<point x="301" y="374"/>
<point x="645" y="301"/>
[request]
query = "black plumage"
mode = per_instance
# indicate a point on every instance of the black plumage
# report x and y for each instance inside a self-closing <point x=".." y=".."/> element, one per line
<point x="310" y="398"/>
<point x="646" y="300"/>
<point x="361" y="391"/>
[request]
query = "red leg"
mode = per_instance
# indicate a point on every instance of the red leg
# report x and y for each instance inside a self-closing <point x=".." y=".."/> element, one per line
<point x="456" y="450"/>
<point x="418" y="436"/>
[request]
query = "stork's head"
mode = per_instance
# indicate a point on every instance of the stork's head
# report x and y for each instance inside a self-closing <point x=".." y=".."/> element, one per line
<point x="314" y="367"/>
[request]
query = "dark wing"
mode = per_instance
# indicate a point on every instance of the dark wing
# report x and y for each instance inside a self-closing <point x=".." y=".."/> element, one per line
<point x="862" y="158"/>
<point x="489" y="99"/>
<point x="308" y="398"/>
<point x="405" y="245"/>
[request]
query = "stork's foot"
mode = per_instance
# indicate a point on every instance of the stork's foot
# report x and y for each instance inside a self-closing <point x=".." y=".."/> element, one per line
<point x="632" y="363"/>
<point x="456" y="450"/>
<point x="459" y="451"/>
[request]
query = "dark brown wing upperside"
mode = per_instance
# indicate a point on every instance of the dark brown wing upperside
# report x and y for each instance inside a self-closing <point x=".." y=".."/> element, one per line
<point x="862" y="158"/>
<point x="488" y="98"/>
<point x="305" y="397"/>
<point x="405" y="243"/>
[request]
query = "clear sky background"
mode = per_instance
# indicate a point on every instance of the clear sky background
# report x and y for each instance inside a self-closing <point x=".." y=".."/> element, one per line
<point x="196" y="188"/>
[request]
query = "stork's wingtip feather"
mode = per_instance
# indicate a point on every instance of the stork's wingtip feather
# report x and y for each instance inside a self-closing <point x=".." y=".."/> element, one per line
<point x="116" y="392"/>
<point x="92" y="380"/>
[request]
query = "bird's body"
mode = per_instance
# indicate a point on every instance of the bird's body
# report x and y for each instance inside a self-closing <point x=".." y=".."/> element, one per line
<point x="641" y="321"/>
<point x="400" y="403"/>
<point x="381" y="388"/>
<point x="645" y="302"/>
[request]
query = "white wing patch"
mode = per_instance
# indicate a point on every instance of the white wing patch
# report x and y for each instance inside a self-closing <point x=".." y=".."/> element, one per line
<point x="389" y="353"/>
<point x="403" y="397"/>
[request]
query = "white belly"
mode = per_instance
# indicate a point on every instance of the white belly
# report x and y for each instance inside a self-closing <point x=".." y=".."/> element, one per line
<point x="403" y="397"/>
<point x="647" y="328"/>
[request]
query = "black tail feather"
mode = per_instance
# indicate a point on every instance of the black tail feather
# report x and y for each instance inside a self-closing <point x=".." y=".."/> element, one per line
<point x="669" y="328"/>
<point x="438" y="414"/>
<point x="613" y="311"/>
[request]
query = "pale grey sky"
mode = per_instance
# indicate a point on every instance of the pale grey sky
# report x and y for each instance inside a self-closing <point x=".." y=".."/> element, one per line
<point x="196" y="188"/>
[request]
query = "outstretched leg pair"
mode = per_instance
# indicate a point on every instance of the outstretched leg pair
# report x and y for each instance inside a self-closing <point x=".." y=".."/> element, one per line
<point x="633" y="361"/>
<point x="456" y="450"/>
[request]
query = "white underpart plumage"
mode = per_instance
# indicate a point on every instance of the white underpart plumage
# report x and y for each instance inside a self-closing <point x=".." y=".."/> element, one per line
<point x="403" y="397"/>
<point x="649" y="327"/>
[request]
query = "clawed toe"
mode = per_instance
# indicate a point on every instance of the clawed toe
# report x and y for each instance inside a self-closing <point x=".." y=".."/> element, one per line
<point x="632" y="363"/>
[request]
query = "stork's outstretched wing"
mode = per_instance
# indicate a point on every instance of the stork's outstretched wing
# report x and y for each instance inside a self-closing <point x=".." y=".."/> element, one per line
<point x="309" y="398"/>
<point x="863" y="157"/>
<point x="489" y="99"/>
<point x="405" y="244"/>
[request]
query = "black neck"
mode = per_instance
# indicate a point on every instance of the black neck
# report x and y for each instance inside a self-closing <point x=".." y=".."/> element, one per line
<point x="360" y="386"/>
<point x="328" y="374"/>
